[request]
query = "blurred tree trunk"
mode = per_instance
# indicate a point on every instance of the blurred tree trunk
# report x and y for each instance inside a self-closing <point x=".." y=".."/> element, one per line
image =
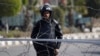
<point x="28" y="16"/>
<point x="27" y="21"/>
<point x="70" y="17"/>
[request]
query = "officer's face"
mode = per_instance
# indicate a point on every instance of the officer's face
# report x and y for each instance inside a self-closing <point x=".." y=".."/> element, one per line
<point x="46" y="14"/>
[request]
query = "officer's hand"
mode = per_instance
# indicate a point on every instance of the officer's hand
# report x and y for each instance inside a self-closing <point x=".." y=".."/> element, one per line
<point x="56" y="51"/>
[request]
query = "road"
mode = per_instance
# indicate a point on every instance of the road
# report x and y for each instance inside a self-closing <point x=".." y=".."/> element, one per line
<point x="67" y="49"/>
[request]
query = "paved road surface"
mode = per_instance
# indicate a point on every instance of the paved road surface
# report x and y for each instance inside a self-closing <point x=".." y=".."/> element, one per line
<point x="67" y="49"/>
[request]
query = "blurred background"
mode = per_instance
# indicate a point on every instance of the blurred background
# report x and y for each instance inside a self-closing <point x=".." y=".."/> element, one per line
<point x="17" y="17"/>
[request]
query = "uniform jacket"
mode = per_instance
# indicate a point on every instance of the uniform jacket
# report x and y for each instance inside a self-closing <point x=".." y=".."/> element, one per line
<point x="47" y="30"/>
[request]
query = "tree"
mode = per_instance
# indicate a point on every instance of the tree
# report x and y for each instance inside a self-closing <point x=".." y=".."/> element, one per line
<point x="79" y="6"/>
<point x="24" y="2"/>
<point x="28" y="14"/>
<point x="62" y="4"/>
<point x="59" y="15"/>
<point x="70" y="17"/>
<point x="9" y="7"/>
<point x="75" y="6"/>
<point x="93" y="7"/>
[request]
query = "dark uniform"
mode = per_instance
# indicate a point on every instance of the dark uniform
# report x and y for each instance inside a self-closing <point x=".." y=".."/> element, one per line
<point x="46" y="29"/>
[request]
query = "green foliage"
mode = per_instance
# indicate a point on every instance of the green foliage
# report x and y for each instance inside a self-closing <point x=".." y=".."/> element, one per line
<point x="35" y="2"/>
<point x="97" y="3"/>
<point x="94" y="7"/>
<point x="82" y="10"/>
<point x="10" y="7"/>
<point x="79" y="6"/>
<point x="59" y="15"/>
<point x="63" y="6"/>
<point x="79" y="2"/>
<point x="24" y="2"/>
<point x="15" y="33"/>
<point x="35" y="9"/>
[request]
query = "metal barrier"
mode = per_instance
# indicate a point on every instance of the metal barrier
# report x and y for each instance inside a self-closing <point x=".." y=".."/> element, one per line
<point x="69" y="47"/>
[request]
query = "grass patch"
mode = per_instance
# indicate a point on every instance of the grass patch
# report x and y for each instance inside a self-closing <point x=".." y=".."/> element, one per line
<point x="15" y="33"/>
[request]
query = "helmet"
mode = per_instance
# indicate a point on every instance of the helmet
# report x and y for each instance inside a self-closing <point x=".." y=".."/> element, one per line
<point x="46" y="7"/>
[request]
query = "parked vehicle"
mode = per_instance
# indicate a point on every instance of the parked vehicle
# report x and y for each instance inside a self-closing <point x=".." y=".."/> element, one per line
<point x="84" y="22"/>
<point x="80" y="22"/>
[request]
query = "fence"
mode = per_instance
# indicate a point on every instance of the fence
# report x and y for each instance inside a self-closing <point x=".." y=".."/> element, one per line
<point x="69" y="47"/>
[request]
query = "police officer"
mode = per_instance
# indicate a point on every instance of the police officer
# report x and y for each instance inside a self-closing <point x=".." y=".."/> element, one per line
<point x="46" y="28"/>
